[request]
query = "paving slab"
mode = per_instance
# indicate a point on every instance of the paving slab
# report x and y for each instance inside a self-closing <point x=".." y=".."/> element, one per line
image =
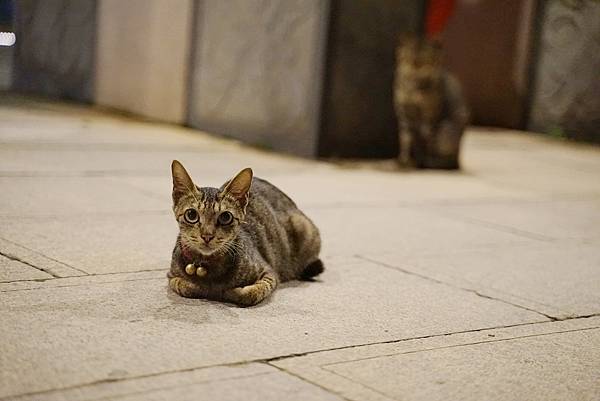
<point x="94" y="243"/>
<point x="86" y="126"/>
<point x="404" y="232"/>
<point x="570" y="155"/>
<point x="528" y="162"/>
<point x="76" y="281"/>
<point x="560" y="280"/>
<point x="556" y="219"/>
<point x="562" y="366"/>
<point x="449" y="293"/>
<point x="41" y="262"/>
<point x="98" y="244"/>
<point x="69" y="162"/>
<point x="88" y="331"/>
<point x="252" y="381"/>
<point x="368" y="187"/>
<point x="55" y="196"/>
<point x="544" y="361"/>
<point x="330" y="186"/>
<point x="13" y="270"/>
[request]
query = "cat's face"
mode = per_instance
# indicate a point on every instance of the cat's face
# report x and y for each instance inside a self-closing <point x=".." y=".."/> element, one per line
<point x="209" y="218"/>
<point x="420" y="63"/>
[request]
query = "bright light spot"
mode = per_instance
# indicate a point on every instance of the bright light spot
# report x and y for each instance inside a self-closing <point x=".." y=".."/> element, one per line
<point x="7" y="38"/>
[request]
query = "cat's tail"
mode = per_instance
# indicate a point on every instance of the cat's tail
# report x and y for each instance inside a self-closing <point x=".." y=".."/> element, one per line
<point x="313" y="269"/>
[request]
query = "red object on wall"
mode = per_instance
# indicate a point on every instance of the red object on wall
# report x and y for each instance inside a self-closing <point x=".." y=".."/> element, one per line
<point x="438" y="13"/>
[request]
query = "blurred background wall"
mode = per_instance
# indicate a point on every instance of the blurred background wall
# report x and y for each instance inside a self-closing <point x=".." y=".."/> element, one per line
<point x="142" y="56"/>
<point x="566" y="90"/>
<point x="310" y="77"/>
<point x="55" y="47"/>
<point x="488" y="46"/>
<point x="7" y="44"/>
<point x="258" y="70"/>
<point x="358" y="117"/>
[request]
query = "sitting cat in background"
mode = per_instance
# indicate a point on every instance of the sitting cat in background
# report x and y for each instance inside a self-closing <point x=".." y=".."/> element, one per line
<point x="430" y="108"/>
<point x="237" y="242"/>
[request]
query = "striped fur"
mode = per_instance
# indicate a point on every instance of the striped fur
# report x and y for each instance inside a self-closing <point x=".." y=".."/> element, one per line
<point x="268" y="241"/>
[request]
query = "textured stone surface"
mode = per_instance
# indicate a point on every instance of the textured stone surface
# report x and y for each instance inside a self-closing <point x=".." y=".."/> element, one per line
<point x="131" y="162"/>
<point x="549" y="361"/>
<point x="13" y="270"/>
<point x="561" y="281"/>
<point x="562" y="366"/>
<point x="565" y="101"/>
<point x="54" y="52"/>
<point x="355" y="187"/>
<point x="257" y="72"/>
<point x="99" y="243"/>
<point x="53" y="125"/>
<point x="252" y="381"/>
<point x="142" y="57"/>
<point x="440" y="257"/>
<point x="40" y="261"/>
<point x="548" y="168"/>
<point x="137" y="327"/>
<point x="56" y="196"/>
<point x="403" y="232"/>
<point x="560" y="219"/>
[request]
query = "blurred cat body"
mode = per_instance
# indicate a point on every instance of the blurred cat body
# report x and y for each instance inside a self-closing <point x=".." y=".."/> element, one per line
<point x="242" y="239"/>
<point x="430" y="108"/>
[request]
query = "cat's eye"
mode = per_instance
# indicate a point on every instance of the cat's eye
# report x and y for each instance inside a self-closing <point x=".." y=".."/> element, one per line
<point x="225" y="218"/>
<point x="191" y="216"/>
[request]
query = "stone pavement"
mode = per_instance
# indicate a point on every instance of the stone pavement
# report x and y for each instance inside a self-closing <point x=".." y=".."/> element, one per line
<point x="482" y="284"/>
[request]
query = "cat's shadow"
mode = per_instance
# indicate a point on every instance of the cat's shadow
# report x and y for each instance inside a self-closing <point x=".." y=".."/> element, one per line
<point x="194" y="310"/>
<point x="177" y="310"/>
<point x="299" y="283"/>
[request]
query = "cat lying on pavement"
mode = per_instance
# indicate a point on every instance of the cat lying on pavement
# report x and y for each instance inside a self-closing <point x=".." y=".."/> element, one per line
<point x="238" y="242"/>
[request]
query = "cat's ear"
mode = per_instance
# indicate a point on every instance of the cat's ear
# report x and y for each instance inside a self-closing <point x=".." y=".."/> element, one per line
<point x="182" y="182"/>
<point x="239" y="186"/>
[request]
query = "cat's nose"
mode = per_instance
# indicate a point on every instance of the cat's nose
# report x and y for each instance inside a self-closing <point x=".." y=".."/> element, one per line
<point x="207" y="237"/>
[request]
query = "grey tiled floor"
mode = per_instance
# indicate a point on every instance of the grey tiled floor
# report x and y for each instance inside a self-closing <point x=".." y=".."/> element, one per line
<point x="480" y="284"/>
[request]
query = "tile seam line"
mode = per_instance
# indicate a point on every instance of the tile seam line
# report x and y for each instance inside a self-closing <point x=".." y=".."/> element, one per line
<point x="77" y="215"/>
<point x="295" y="355"/>
<point x="271" y="359"/>
<point x="476" y="292"/>
<point x="104" y="381"/>
<point x="44" y="256"/>
<point x="17" y="259"/>
<point x="83" y="284"/>
<point x="495" y="226"/>
<point x="111" y="397"/>
<point x="305" y="380"/>
<point x="359" y="383"/>
<point x="325" y="366"/>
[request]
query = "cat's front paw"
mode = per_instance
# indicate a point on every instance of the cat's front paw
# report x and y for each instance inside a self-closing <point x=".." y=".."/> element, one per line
<point x="184" y="288"/>
<point x="243" y="296"/>
<point x="175" y="284"/>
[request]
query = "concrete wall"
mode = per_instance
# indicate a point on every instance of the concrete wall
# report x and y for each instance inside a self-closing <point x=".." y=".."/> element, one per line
<point x="257" y="72"/>
<point x="54" y="52"/>
<point x="143" y="56"/>
<point x="310" y="77"/>
<point x="566" y="98"/>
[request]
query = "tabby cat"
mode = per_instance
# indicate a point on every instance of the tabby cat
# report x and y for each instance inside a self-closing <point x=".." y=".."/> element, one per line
<point x="237" y="242"/>
<point x="431" y="110"/>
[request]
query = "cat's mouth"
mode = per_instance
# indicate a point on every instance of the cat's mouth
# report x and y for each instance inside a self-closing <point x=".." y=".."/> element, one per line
<point x="201" y="248"/>
<point x="206" y="249"/>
